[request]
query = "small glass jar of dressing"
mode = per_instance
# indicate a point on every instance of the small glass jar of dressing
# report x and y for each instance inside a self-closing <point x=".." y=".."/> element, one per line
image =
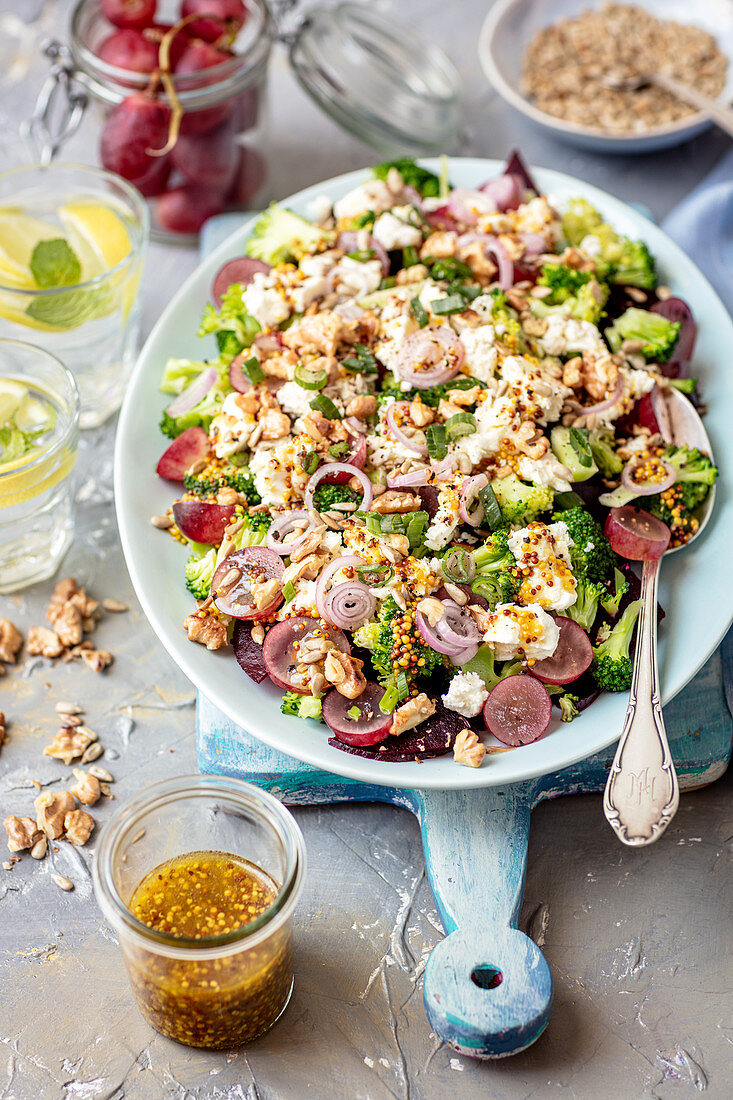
<point x="199" y="877"/>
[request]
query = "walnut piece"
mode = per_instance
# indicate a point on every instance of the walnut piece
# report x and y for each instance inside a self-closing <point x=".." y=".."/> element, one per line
<point x="96" y="659"/>
<point x="43" y="642"/>
<point x="432" y="609"/>
<point x="11" y="641"/>
<point x="68" y="625"/>
<point x="22" y="832"/>
<point x="344" y="672"/>
<point x="69" y="743"/>
<point x="468" y="749"/>
<point x="393" y="502"/>
<point x="274" y="424"/>
<point x="412" y="713"/>
<point x="365" y="404"/>
<point x="421" y="414"/>
<point x="310" y="544"/>
<point x="78" y="826"/>
<point x="206" y="628"/>
<point x="51" y="809"/>
<point x="86" y="789"/>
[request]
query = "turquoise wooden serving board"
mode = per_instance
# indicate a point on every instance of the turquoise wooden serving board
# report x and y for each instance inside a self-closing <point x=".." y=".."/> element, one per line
<point x="487" y="986"/>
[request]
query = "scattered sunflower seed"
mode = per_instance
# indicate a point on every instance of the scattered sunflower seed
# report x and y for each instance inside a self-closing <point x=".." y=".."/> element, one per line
<point x="101" y="773"/>
<point x="70" y="720"/>
<point x="162" y="522"/>
<point x="62" y="707"/>
<point x="39" y="849"/>
<point x="116" y="606"/>
<point x="92" y="752"/>
<point x="62" y="882"/>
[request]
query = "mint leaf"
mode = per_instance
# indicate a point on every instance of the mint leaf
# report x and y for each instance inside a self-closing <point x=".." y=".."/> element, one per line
<point x="54" y="263"/>
<point x="71" y="308"/>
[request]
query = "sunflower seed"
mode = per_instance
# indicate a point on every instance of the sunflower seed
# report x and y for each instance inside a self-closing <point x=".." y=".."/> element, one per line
<point x="39" y="849"/>
<point x="162" y="522"/>
<point x="63" y="707"/>
<point x="62" y="882"/>
<point x="101" y="773"/>
<point x="116" y="606"/>
<point x="92" y="752"/>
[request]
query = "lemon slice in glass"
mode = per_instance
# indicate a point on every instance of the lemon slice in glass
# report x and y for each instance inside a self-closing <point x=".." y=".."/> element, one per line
<point x="96" y="228"/>
<point x="19" y="235"/>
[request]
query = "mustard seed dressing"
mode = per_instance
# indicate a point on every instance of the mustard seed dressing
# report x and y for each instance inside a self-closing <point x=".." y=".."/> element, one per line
<point x="221" y="1001"/>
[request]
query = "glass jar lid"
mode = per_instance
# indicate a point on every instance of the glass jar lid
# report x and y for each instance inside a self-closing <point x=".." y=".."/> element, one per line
<point x="384" y="84"/>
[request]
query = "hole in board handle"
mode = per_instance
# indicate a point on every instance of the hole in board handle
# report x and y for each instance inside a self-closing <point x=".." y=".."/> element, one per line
<point x="486" y="977"/>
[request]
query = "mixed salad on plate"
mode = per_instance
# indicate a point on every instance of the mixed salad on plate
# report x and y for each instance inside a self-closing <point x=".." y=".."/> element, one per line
<point x="434" y="437"/>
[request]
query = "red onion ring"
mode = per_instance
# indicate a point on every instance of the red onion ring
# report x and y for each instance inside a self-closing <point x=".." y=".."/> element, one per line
<point x="493" y="247"/>
<point x="325" y="576"/>
<point x="331" y="468"/>
<point x="194" y="393"/>
<point x="534" y="244"/>
<point x="412" y="196"/>
<point x="349" y="605"/>
<point x="424" y="360"/>
<point x="456" y="616"/>
<point x="661" y="413"/>
<point x="608" y="403"/>
<point x="350" y="311"/>
<point x="440" y="218"/>
<point x="282" y="526"/>
<point x="418" y="449"/>
<point x="466" y="655"/>
<point x="506" y="191"/>
<point x="349" y="241"/>
<point x="430" y="638"/>
<point x="238" y="380"/>
<point x="469" y="492"/>
<point x="446" y="466"/>
<point x="458" y="205"/>
<point x="409" y="481"/>
<point x="646" y="489"/>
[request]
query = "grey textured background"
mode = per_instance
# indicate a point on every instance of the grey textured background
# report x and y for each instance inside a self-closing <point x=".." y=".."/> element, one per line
<point x="638" y="942"/>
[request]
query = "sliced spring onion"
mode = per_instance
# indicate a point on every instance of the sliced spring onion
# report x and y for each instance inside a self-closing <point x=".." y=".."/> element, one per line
<point x="388" y="283"/>
<point x="492" y="512"/>
<point x="417" y="523"/>
<point x="325" y="406"/>
<point x="362" y="255"/>
<point x="363" y="362"/>
<point x="463" y="423"/>
<point x="419" y="312"/>
<point x="375" y="575"/>
<point x="444" y="182"/>
<point x="338" y="450"/>
<point x="289" y="591"/>
<point x="410" y="256"/>
<point x="580" y="444"/>
<point x="402" y="686"/>
<point x="435" y="437"/>
<point x="354" y="712"/>
<point x="254" y="371"/>
<point x="459" y="566"/>
<point x="311" y="462"/>
<point x="684" y="385"/>
<point x="464" y="383"/>
<point x="240" y="458"/>
<point x="454" y="303"/>
<point x="389" y="700"/>
<point x="310" y="379"/>
<point x="448" y="270"/>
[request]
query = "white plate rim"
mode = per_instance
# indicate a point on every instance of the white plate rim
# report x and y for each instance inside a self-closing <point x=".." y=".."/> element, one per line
<point x="441" y="773"/>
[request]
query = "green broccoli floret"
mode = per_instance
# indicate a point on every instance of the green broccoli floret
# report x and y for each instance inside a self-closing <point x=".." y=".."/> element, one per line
<point x="198" y="417"/>
<point x="301" y="706"/>
<point x="326" y="496"/>
<point x="563" y="281"/>
<point x="586" y="305"/>
<point x="659" y="335"/>
<point x="610" y="601"/>
<point x="280" y="235"/>
<point x="253" y="532"/>
<point x="601" y="444"/>
<point x="497" y="578"/>
<point x="620" y="259"/>
<point x="218" y="475"/>
<point x="568" y="706"/>
<point x="424" y="181"/>
<point x="199" y="571"/>
<point x="178" y="375"/>
<point x="484" y="665"/>
<point x="521" y="503"/>
<point x="584" y="610"/>
<point x="612" y="668"/>
<point x="591" y="555"/>
<point x="378" y="637"/>
<point x="232" y="326"/>
<point x="692" y="466"/>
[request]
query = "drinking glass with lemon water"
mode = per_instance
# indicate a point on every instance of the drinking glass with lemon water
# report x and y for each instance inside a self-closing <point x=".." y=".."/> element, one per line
<point x="72" y="245"/>
<point x="39" y="432"/>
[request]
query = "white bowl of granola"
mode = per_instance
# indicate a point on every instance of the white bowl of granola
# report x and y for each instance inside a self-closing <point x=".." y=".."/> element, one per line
<point x="548" y="59"/>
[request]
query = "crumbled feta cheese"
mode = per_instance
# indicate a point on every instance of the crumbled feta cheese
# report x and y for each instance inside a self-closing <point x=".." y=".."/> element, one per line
<point x="447" y="517"/>
<point x="537" y="216"/>
<point x="355" y="278"/>
<point x="319" y="209"/>
<point x="466" y="694"/>
<point x="394" y="229"/>
<point x="547" y="470"/>
<point x="542" y="552"/>
<point x="480" y="354"/>
<point x="566" y="336"/>
<point x="372" y="195"/>
<point x="393" y="334"/>
<point x="294" y="400"/>
<point x="516" y="631"/>
<point x="533" y="390"/>
<point x="231" y="428"/>
<point x="430" y="293"/>
<point x="303" y="601"/>
<point x="279" y="471"/>
<point x="264" y="302"/>
<point x="312" y="288"/>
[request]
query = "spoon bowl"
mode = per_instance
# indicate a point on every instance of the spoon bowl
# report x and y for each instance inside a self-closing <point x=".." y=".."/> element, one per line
<point x="684" y="425"/>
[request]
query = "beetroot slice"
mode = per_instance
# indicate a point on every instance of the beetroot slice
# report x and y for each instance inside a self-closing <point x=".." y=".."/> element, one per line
<point x="571" y="658"/>
<point x="189" y="447"/>
<point x="516" y="166"/>
<point x="434" y="737"/>
<point x="202" y="521"/>
<point x="248" y="652"/>
<point x="369" y="729"/>
<point x="518" y="710"/>
<point x="235" y="598"/>
<point x="279" y="656"/>
<point x="242" y="270"/>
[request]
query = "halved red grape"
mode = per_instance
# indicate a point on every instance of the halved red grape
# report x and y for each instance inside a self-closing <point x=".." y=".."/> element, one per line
<point x="202" y="521"/>
<point x="155" y="179"/>
<point x="676" y="309"/>
<point x="636" y="534"/>
<point x="134" y="126"/>
<point x="210" y="160"/>
<point x="185" y="209"/>
<point x="187" y="448"/>
<point x="571" y="658"/>
<point x="199" y="55"/>
<point x="129" y="49"/>
<point x="281" y="657"/>
<point x="130" y="13"/>
<point x="369" y="728"/>
<point x="178" y="42"/>
<point x="241" y="270"/>
<point x="248" y="652"/>
<point x="518" y="710"/>
<point x="222" y="11"/>
<point x="234" y="596"/>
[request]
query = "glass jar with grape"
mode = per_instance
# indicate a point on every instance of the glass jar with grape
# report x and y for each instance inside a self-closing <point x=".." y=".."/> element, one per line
<point x="183" y="86"/>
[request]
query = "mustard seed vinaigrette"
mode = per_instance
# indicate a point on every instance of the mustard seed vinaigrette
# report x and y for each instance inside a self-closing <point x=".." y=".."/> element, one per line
<point x="199" y="876"/>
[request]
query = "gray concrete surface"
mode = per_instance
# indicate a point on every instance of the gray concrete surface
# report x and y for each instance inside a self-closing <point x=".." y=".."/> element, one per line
<point x="638" y="942"/>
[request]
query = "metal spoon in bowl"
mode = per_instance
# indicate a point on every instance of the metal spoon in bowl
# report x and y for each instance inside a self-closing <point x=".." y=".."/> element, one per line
<point x="642" y="793"/>
<point x="717" y="112"/>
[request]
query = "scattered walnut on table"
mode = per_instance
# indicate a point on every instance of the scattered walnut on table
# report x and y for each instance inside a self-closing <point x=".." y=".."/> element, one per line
<point x="96" y="659"/>
<point x="68" y="625"/>
<point x="411" y="713"/>
<point x="51" y="811"/>
<point x="468" y="749"/>
<point x="11" y="641"/>
<point x="23" y="832"/>
<point x="43" y="642"/>
<point x="69" y="743"/>
<point x="78" y="826"/>
<point x="86" y="789"/>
